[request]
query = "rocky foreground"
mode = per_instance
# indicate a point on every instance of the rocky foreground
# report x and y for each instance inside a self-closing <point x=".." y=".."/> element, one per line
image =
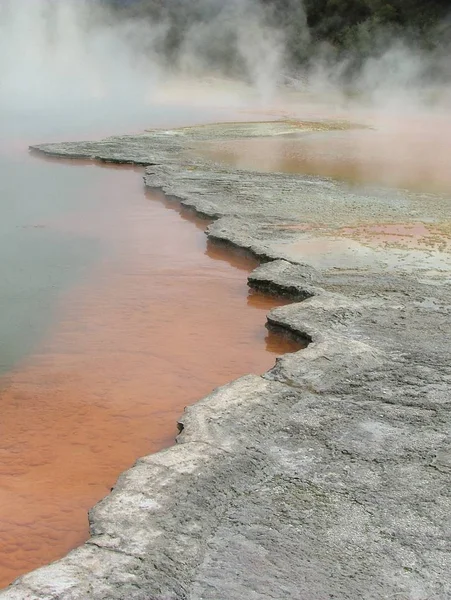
<point x="328" y="476"/>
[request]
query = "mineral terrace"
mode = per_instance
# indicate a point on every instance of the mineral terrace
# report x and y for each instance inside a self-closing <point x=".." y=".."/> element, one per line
<point x="329" y="475"/>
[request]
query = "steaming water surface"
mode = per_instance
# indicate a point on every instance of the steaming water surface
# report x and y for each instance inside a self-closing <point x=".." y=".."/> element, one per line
<point x="394" y="149"/>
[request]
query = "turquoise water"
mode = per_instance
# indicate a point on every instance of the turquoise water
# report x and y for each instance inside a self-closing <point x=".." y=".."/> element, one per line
<point x="40" y="254"/>
<point x="37" y="261"/>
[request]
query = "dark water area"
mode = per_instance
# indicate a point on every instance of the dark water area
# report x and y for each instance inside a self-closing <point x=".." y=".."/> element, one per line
<point x="115" y="315"/>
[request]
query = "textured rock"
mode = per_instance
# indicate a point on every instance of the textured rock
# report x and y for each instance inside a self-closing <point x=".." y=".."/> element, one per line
<point x="327" y="477"/>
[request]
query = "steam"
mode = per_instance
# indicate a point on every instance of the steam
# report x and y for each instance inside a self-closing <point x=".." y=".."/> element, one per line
<point x="238" y="40"/>
<point x="397" y="75"/>
<point x="65" y="55"/>
<point x="62" y="55"/>
<point x="59" y="53"/>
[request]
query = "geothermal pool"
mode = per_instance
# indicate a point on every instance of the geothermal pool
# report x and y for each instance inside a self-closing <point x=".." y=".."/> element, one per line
<point x="115" y="315"/>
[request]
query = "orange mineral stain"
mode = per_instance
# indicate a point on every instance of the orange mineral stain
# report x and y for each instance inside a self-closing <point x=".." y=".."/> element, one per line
<point x="159" y="320"/>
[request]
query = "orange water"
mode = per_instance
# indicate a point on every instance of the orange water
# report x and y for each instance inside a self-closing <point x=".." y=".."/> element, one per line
<point x="157" y="322"/>
<point x="408" y="151"/>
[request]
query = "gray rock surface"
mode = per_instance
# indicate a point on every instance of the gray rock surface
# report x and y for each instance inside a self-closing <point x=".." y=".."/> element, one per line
<point x="328" y="476"/>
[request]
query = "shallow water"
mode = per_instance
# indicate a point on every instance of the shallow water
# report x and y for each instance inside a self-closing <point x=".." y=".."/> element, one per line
<point x="116" y="315"/>
<point x="407" y="151"/>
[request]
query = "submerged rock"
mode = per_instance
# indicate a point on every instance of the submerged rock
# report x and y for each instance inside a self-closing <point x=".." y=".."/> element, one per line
<point x="328" y="476"/>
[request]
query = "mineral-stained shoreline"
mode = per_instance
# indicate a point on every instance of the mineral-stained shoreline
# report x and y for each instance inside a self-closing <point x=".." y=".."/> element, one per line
<point x="328" y="476"/>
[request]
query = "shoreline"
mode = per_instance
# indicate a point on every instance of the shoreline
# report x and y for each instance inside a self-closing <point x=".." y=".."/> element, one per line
<point x="296" y="483"/>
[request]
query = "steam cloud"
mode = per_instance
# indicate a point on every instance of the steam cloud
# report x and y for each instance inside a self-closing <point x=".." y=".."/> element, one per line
<point x="56" y="53"/>
<point x="62" y="53"/>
